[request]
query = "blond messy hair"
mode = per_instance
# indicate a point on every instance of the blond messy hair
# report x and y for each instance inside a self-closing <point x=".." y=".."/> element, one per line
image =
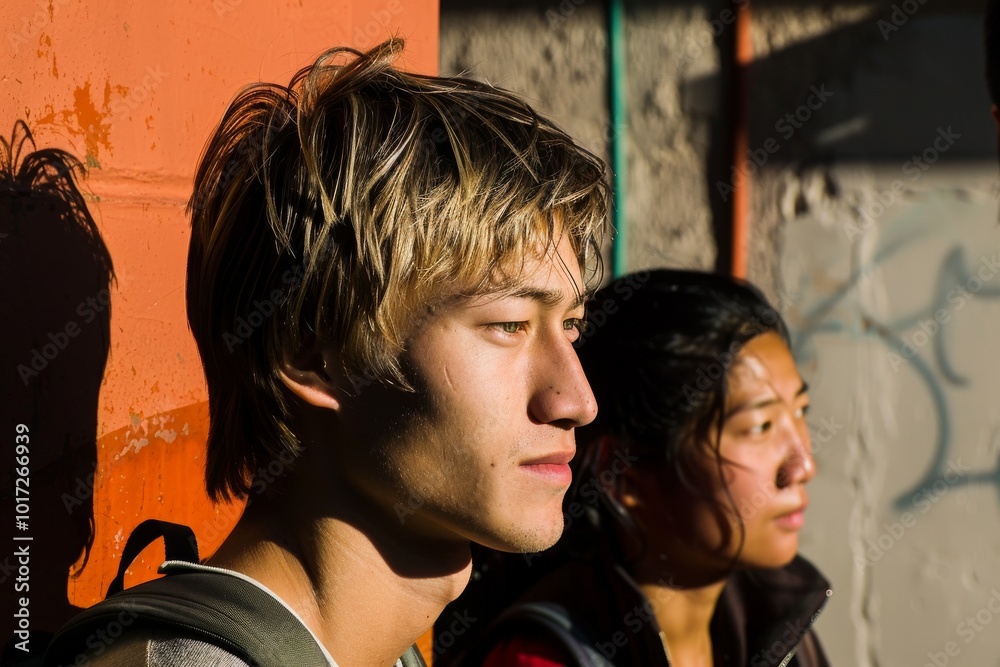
<point x="332" y="210"/>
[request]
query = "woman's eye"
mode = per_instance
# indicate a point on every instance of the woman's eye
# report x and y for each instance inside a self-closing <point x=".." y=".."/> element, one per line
<point x="760" y="429"/>
<point x="802" y="412"/>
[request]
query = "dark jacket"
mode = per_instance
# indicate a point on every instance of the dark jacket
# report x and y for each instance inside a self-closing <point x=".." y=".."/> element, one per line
<point x="763" y="619"/>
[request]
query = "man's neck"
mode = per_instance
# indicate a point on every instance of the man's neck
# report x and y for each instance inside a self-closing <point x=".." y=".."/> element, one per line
<point x="341" y="580"/>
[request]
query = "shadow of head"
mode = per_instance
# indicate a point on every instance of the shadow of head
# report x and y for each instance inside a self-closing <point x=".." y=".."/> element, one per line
<point x="56" y="274"/>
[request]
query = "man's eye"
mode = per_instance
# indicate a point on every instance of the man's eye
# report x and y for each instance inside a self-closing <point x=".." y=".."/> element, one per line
<point x="759" y="429"/>
<point x="509" y="327"/>
<point x="575" y="323"/>
<point x="802" y="412"/>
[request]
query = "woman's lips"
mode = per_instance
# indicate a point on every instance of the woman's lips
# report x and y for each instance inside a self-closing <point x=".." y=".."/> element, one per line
<point x="793" y="520"/>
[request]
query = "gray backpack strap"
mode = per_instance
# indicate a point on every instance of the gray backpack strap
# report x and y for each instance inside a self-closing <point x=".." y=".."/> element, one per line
<point x="412" y="658"/>
<point x="215" y="608"/>
<point x="552" y="622"/>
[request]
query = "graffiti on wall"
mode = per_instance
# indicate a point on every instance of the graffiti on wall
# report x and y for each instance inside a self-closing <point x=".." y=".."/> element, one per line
<point x="953" y="256"/>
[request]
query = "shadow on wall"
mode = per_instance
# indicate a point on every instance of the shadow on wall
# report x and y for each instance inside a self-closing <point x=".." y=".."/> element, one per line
<point x="54" y="342"/>
<point x="876" y="91"/>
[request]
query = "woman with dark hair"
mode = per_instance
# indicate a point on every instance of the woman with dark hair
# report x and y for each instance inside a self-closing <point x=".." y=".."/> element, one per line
<point x="688" y="494"/>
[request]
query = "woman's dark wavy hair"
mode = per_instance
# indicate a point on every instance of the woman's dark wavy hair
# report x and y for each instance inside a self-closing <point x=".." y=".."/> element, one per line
<point x="991" y="31"/>
<point x="657" y="351"/>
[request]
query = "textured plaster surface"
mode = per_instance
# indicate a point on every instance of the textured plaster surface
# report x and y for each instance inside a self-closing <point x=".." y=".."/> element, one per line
<point x="856" y="282"/>
<point x="556" y="56"/>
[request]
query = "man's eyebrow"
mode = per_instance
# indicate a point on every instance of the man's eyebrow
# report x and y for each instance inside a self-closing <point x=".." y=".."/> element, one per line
<point x="547" y="297"/>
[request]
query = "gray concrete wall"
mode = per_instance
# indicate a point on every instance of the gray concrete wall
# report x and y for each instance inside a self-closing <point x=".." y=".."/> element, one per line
<point x="555" y="54"/>
<point x="888" y="264"/>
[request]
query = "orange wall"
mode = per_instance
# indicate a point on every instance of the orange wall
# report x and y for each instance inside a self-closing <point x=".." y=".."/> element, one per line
<point x="133" y="90"/>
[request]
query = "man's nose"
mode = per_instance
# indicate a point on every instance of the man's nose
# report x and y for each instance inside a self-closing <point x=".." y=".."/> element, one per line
<point x="562" y="394"/>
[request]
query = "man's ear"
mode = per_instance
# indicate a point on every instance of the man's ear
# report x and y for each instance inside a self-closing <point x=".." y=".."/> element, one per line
<point x="316" y="376"/>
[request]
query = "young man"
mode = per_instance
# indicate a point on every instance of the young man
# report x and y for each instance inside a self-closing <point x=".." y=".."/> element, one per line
<point x="386" y="276"/>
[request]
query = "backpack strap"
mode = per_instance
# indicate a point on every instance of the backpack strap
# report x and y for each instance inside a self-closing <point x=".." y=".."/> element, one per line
<point x="552" y="622"/>
<point x="412" y="658"/>
<point x="215" y="608"/>
<point x="179" y="543"/>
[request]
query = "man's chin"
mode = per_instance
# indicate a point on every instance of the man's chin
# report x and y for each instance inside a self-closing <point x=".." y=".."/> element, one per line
<point x="520" y="540"/>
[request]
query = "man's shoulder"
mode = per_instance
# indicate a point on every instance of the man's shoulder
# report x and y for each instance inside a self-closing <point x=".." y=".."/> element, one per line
<point x="155" y="648"/>
<point x="196" y="615"/>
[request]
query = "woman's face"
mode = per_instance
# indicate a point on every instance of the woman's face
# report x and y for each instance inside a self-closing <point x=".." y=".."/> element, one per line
<point x="767" y="462"/>
<point x="766" y="452"/>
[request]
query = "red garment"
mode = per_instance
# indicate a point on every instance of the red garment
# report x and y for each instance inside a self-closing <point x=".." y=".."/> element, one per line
<point x="526" y="652"/>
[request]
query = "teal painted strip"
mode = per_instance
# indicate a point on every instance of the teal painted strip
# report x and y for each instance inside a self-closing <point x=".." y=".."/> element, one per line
<point x="619" y="137"/>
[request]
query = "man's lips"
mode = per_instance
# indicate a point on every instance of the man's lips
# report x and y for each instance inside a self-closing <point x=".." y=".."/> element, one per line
<point x="561" y="457"/>
<point x="553" y="467"/>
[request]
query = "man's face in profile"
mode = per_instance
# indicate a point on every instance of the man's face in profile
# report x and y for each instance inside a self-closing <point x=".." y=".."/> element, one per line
<point x="481" y="449"/>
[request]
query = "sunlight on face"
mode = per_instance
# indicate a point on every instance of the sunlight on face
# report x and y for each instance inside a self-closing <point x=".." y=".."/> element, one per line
<point x="767" y="451"/>
<point x="767" y="462"/>
<point x="481" y="450"/>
